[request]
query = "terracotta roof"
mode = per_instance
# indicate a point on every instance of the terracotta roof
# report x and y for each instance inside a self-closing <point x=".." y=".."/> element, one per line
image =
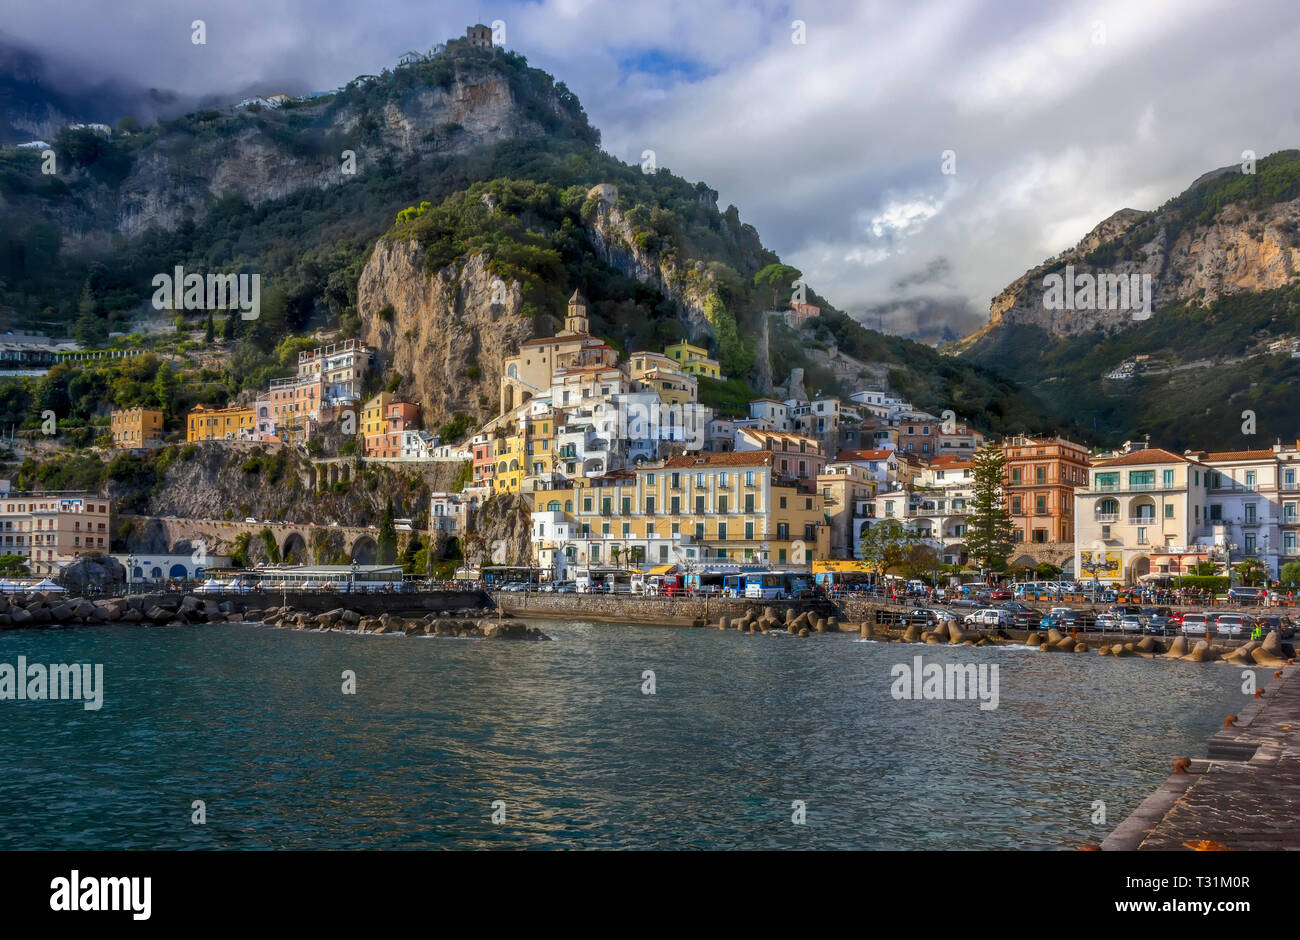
<point x="951" y="462"/>
<point x="1148" y="455"/>
<point x="1239" y="455"/>
<point x="742" y="458"/>
<point x="863" y="454"/>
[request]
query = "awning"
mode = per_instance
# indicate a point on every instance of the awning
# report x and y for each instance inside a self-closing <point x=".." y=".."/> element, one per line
<point x="663" y="569"/>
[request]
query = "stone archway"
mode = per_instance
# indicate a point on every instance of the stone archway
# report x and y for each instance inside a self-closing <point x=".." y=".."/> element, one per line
<point x="1137" y="568"/>
<point x="365" y="550"/>
<point x="294" y="550"/>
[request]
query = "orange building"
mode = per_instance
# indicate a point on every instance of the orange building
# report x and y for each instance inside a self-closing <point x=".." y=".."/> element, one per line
<point x="1041" y="477"/>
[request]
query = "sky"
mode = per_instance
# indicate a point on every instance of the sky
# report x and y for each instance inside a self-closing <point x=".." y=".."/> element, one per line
<point x="830" y="125"/>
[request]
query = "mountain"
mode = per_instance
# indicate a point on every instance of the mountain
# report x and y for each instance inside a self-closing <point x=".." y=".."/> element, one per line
<point x="34" y="105"/>
<point x="1223" y="263"/>
<point x="389" y="210"/>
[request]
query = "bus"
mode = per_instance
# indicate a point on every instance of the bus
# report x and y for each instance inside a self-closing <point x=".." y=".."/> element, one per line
<point x="843" y="575"/>
<point x="608" y="581"/>
<point x="775" y="585"/>
<point x="727" y="582"/>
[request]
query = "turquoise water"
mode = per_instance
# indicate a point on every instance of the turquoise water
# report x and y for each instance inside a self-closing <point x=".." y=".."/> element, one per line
<point x="252" y="721"/>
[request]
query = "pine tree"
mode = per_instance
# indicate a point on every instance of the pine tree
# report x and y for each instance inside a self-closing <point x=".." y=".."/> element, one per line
<point x="988" y="525"/>
<point x="210" y="333"/>
<point x="387" y="548"/>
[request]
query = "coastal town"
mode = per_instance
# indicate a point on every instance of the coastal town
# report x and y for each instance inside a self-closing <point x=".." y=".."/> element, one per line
<point x="627" y="477"/>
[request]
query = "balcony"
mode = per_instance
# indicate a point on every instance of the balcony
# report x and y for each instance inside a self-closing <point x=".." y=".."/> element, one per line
<point x="1142" y="520"/>
<point x="1105" y="517"/>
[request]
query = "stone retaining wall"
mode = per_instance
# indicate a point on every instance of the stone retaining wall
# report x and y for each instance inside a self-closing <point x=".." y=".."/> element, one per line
<point x="629" y="608"/>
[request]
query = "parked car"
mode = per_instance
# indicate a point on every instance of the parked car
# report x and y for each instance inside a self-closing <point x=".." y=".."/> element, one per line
<point x="568" y="587"/>
<point x="929" y="616"/>
<point x="1234" y="625"/>
<point x="1051" y="620"/>
<point x="1107" y="622"/>
<point x="989" y="617"/>
<point x="1196" y="625"/>
<point x="1078" y="620"/>
<point x="1000" y="594"/>
<point x="1247" y="595"/>
<point x="1014" y="606"/>
<point x="1132" y="623"/>
<point x="1157" y="625"/>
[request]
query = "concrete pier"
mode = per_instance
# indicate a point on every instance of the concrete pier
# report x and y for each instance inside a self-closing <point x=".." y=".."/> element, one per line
<point x="1244" y="796"/>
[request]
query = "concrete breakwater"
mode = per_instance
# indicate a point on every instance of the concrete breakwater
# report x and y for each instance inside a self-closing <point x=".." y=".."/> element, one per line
<point x="436" y="623"/>
<point x="48" y="610"/>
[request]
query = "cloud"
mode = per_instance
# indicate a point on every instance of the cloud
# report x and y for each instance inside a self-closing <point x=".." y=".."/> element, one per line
<point x="831" y="148"/>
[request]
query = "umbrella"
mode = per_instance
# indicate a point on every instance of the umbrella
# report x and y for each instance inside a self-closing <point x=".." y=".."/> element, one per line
<point x="48" y="585"/>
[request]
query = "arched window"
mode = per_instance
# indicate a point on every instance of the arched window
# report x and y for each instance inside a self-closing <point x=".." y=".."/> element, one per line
<point x="568" y="505"/>
<point x="553" y="506"/>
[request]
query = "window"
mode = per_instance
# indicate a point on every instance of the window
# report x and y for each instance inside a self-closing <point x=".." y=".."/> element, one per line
<point x="1142" y="535"/>
<point x="1169" y="510"/>
<point x="1250" y="479"/>
<point x="699" y="505"/>
<point x="782" y="502"/>
<point x="1015" y="505"/>
<point x="1216" y="512"/>
<point x="1167" y="479"/>
<point x="1250" y="543"/>
<point x="749" y="502"/>
<point x="1141" y="479"/>
<point x="722" y="531"/>
<point x="749" y="531"/>
<point x="1249" y="510"/>
<point x="1015" y="475"/>
<point x="1040" y="474"/>
<point x="676" y="481"/>
<point x="1106" y="481"/>
<point x="1040" y="505"/>
<point x="675" y="505"/>
<point x="810" y="532"/>
<point x="783" y="531"/>
<point x="722" y="503"/>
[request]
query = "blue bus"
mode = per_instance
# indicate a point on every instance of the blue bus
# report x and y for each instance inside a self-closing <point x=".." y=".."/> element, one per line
<point x="775" y="585"/>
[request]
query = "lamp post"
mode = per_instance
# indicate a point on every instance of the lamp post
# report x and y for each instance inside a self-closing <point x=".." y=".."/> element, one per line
<point x="130" y="569"/>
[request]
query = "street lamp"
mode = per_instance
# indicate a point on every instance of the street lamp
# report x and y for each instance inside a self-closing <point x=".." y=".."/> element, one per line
<point x="130" y="569"/>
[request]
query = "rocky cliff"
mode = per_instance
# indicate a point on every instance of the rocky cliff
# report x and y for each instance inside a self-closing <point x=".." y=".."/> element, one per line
<point x="1225" y="235"/>
<point x="447" y="334"/>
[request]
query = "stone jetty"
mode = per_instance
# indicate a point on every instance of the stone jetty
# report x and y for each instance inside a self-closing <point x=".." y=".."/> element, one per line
<point x="435" y="624"/>
<point x="1244" y="795"/>
<point x="55" y="610"/>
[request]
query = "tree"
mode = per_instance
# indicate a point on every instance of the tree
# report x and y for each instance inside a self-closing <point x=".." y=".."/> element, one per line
<point x="1290" y="573"/>
<point x="988" y="525"/>
<point x="165" y="385"/>
<point x="1203" y="569"/>
<point x="209" y="333"/>
<point x="1250" y="571"/>
<point x="885" y="544"/>
<point x="921" y="560"/>
<point x="387" y="548"/>
<point x="1047" y="571"/>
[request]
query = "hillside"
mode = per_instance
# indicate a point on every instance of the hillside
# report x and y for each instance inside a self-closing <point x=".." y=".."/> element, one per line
<point x="470" y="167"/>
<point x="1223" y="260"/>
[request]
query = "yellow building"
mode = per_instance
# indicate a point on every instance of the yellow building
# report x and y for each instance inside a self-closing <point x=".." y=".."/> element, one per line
<point x="539" y="448"/>
<point x="529" y="373"/>
<point x="732" y="508"/>
<point x="694" y="359"/>
<point x="509" y="475"/>
<point x="137" y="427"/>
<point x="220" y="424"/>
<point x="653" y="372"/>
